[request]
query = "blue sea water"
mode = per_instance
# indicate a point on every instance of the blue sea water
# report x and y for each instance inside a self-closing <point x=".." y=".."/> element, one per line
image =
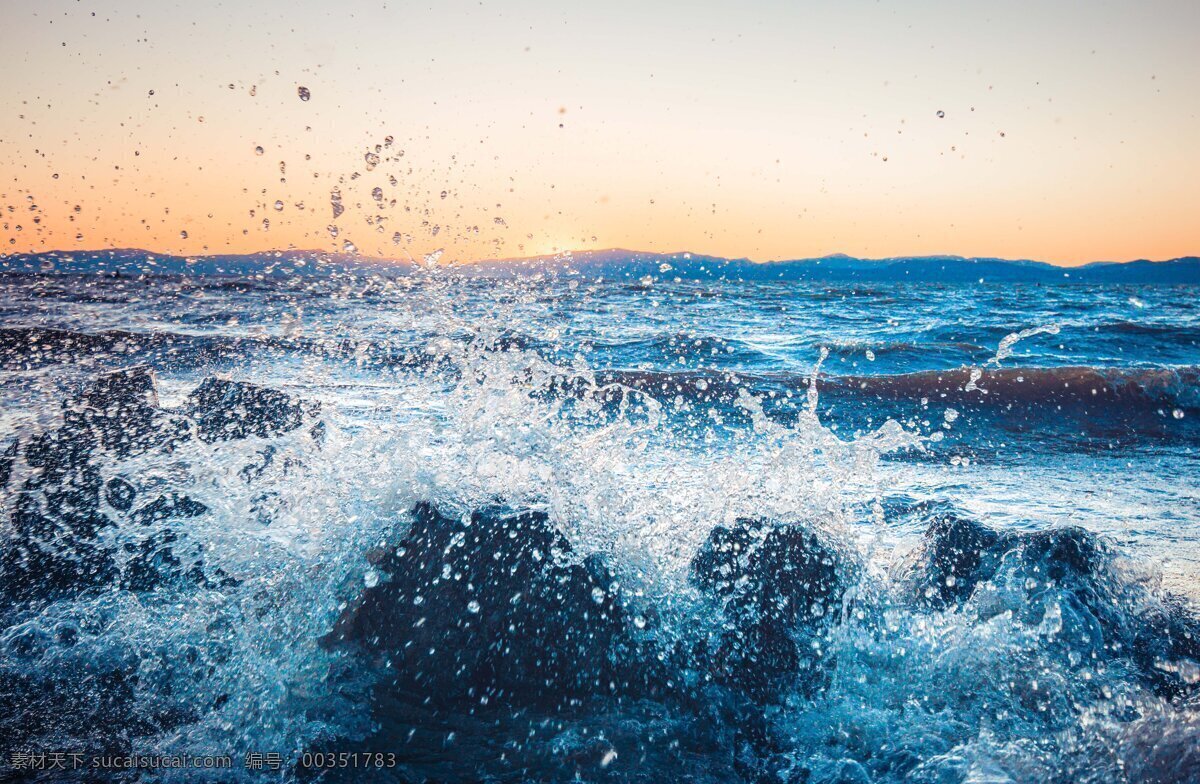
<point x="638" y="418"/>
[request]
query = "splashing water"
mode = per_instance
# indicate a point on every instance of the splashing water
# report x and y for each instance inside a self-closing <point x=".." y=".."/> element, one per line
<point x="462" y="394"/>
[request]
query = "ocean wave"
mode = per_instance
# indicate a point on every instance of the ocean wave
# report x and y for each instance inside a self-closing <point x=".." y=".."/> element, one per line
<point x="32" y="347"/>
<point x="520" y="564"/>
<point x="553" y="616"/>
<point x="1094" y="389"/>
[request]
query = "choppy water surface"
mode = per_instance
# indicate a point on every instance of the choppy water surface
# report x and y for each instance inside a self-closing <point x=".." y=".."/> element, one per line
<point x="560" y="529"/>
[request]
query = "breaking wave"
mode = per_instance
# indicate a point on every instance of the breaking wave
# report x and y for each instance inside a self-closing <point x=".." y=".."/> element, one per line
<point x="502" y="561"/>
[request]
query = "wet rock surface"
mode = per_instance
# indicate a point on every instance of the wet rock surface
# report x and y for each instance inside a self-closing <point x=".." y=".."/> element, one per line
<point x="488" y="627"/>
<point x="224" y="410"/>
<point x="61" y="509"/>
<point x="1069" y="581"/>
<point x="65" y="504"/>
<point x="493" y="639"/>
<point x="492" y="608"/>
<point x="779" y="587"/>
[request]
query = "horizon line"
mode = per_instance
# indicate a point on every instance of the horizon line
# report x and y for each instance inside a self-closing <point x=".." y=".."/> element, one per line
<point x="572" y="252"/>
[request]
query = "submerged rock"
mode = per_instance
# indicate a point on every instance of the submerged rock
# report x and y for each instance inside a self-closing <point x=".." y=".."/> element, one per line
<point x="491" y="608"/>
<point x="956" y="554"/>
<point x="224" y="410"/>
<point x="1069" y="583"/>
<point x="64" y="502"/>
<point x="779" y="585"/>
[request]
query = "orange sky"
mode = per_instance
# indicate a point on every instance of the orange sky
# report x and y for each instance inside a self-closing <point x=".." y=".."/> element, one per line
<point x="772" y="130"/>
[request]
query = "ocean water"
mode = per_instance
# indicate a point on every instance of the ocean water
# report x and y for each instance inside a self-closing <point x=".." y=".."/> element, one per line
<point x="633" y="424"/>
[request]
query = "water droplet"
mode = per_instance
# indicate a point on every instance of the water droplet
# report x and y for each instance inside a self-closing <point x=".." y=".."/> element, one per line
<point x="335" y="201"/>
<point x="941" y="114"/>
<point x="278" y="205"/>
<point x="473" y="607"/>
<point x="371" y="578"/>
<point x="304" y="93"/>
<point x="372" y="160"/>
<point x="183" y="235"/>
<point x="870" y="355"/>
<point x="432" y="259"/>
<point x="377" y="194"/>
<point x="950" y="415"/>
<point x="639" y="622"/>
<point x="1177" y="413"/>
<point x="258" y="150"/>
<point x="597" y="595"/>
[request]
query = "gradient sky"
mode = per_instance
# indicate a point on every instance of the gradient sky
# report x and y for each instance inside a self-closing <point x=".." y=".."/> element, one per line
<point x="768" y="130"/>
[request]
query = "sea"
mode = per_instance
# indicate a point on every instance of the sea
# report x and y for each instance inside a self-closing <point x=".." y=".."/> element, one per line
<point x="557" y="527"/>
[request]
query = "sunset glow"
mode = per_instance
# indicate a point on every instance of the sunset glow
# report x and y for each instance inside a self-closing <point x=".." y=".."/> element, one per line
<point x="1068" y="135"/>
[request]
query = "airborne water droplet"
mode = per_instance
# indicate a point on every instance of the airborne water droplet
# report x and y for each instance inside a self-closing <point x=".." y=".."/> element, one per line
<point x="303" y="93"/>
<point x="371" y="578"/>
<point x="278" y="205"/>
<point x="473" y="607"/>
<point x="258" y="150"/>
<point x="183" y="235"/>
<point x="941" y="113"/>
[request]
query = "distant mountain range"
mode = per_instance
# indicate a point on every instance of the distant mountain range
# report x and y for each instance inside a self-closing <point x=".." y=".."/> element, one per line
<point x="619" y="264"/>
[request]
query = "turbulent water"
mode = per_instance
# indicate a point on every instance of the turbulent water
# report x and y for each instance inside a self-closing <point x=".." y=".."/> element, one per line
<point x="563" y="529"/>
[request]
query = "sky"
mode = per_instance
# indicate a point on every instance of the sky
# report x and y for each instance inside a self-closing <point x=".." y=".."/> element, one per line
<point x="1067" y="132"/>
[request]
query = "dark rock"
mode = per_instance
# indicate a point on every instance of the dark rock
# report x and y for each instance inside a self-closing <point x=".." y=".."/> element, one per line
<point x="57" y="517"/>
<point x="121" y="411"/>
<point x="723" y="560"/>
<point x="156" y="562"/>
<point x="90" y="702"/>
<point x="779" y="585"/>
<point x="488" y="609"/>
<point x="7" y="458"/>
<point x="956" y="555"/>
<point x="224" y="410"/>
<point x="1074" y="573"/>
<point x="34" y="569"/>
